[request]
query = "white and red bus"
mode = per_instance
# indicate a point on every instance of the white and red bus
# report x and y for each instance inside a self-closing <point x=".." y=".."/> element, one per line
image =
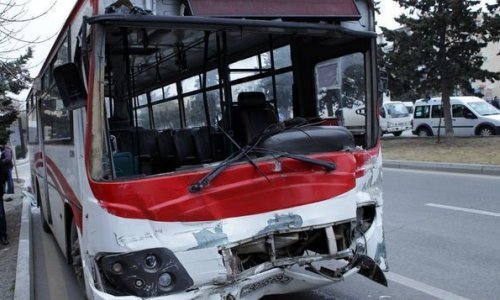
<point x="196" y="149"/>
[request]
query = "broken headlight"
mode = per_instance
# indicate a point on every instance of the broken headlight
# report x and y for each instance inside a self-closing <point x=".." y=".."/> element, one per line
<point x="365" y="215"/>
<point x="145" y="273"/>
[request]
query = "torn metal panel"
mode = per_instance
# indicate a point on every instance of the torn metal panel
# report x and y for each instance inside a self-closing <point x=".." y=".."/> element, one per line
<point x="370" y="185"/>
<point x="276" y="279"/>
<point x="283" y="222"/>
<point x="210" y="237"/>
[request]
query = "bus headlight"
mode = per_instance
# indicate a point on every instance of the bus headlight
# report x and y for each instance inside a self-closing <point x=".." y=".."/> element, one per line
<point x="151" y="262"/>
<point x="165" y="281"/>
<point x="145" y="273"/>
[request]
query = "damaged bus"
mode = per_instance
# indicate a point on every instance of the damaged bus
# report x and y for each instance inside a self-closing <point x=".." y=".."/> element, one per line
<point x="197" y="149"/>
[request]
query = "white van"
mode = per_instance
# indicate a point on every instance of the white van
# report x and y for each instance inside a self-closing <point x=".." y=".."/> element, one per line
<point x="470" y="116"/>
<point x="394" y="118"/>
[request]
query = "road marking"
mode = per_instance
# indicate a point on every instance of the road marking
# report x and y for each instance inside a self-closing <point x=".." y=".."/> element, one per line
<point x="422" y="287"/>
<point x="469" y="210"/>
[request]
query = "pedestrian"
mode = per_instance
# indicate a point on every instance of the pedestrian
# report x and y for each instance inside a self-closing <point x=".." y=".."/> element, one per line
<point x="5" y="166"/>
<point x="7" y="154"/>
<point x="496" y="102"/>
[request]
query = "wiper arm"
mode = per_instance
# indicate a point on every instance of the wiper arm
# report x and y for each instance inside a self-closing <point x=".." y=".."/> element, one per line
<point x="203" y="182"/>
<point x="250" y="160"/>
<point x="329" y="166"/>
<point x="243" y="152"/>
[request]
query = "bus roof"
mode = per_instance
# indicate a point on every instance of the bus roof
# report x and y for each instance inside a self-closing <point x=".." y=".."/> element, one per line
<point x="340" y="9"/>
<point x="204" y="23"/>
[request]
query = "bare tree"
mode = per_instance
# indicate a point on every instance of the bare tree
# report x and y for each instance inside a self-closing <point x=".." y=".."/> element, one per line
<point x="14" y="18"/>
<point x="15" y="51"/>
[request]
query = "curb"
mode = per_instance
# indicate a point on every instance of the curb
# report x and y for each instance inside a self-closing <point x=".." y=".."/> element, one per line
<point x="443" y="167"/>
<point x="24" y="287"/>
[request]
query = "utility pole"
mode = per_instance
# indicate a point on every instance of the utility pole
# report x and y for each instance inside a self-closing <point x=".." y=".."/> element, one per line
<point x="21" y="135"/>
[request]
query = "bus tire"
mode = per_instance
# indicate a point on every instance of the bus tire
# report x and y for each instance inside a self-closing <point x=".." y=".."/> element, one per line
<point x="45" y="224"/>
<point x="76" y="257"/>
<point x="397" y="133"/>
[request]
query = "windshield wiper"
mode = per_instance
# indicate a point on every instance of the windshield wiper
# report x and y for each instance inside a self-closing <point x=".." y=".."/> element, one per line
<point x="329" y="166"/>
<point x="237" y="156"/>
<point x="243" y="152"/>
<point x="205" y="181"/>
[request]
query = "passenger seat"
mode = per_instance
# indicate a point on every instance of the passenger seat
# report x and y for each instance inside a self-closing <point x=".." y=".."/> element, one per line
<point x="203" y="144"/>
<point x="148" y="150"/>
<point x="255" y="115"/>
<point x="184" y="147"/>
<point x="166" y="151"/>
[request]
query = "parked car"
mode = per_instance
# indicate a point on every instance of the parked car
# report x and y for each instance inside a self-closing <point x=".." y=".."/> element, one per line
<point x="470" y="116"/>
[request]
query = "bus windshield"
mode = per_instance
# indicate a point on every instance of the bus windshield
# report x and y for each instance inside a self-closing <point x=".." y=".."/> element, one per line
<point x="177" y="98"/>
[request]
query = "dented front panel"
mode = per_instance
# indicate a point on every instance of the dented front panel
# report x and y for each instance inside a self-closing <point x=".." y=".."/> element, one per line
<point x="202" y="247"/>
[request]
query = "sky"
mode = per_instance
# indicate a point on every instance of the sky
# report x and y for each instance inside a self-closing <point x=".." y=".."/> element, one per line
<point x="49" y="25"/>
<point x="388" y="11"/>
<point x="45" y="27"/>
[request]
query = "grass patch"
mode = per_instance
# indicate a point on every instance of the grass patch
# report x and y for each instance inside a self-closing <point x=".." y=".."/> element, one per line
<point x="470" y="150"/>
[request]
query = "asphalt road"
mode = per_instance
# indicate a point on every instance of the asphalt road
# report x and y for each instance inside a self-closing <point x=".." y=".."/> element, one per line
<point x="442" y="243"/>
<point x="53" y="277"/>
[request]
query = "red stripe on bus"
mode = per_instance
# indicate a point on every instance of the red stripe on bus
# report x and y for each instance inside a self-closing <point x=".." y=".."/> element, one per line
<point x="239" y="191"/>
<point x="62" y="186"/>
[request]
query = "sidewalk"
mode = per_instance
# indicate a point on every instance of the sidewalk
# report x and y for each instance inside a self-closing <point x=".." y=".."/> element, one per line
<point x="443" y="167"/>
<point x="9" y="253"/>
<point x="15" y="211"/>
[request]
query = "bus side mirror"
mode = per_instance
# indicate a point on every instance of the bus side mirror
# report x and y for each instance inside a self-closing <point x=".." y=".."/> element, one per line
<point x="70" y="85"/>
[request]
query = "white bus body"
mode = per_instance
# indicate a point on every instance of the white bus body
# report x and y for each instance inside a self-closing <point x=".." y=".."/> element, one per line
<point x="181" y="150"/>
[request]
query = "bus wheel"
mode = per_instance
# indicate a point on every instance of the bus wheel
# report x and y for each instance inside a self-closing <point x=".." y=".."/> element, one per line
<point x="397" y="133"/>
<point x="486" y="131"/>
<point x="76" y="257"/>
<point x="422" y="131"/>
<point x="45" y="224"/>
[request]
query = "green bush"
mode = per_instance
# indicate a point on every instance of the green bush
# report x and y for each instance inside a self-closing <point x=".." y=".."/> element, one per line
<point x="20" y="152"/>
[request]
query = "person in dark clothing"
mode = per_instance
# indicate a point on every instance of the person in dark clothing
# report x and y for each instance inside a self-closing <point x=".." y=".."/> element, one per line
<point x="5" y="166"/>
<point x="8" y="157"/>
<point x="496" y="102"/>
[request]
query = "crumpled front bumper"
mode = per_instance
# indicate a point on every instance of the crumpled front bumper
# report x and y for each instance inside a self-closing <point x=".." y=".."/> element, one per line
<point x="277" y="280"/>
